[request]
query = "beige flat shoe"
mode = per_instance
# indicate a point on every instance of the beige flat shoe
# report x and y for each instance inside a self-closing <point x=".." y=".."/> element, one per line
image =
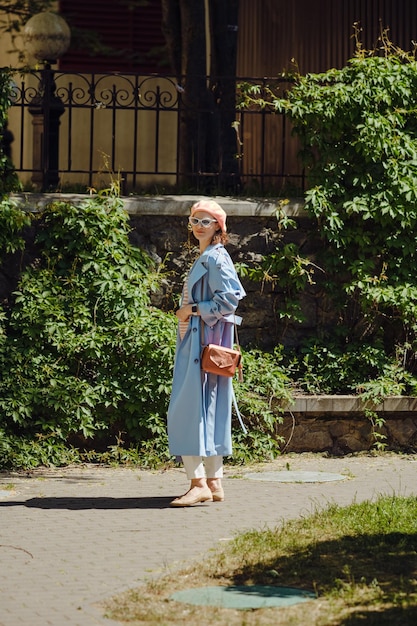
<point x="189" y="500"/>
<point x="218" y="495"/>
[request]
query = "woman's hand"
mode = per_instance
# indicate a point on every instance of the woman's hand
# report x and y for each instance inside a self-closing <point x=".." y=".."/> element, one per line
<point x="184" y="313"/>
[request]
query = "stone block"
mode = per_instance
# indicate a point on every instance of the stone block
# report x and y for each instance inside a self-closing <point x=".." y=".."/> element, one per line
<point x="338" y="428"/>
<point x="352" y="443"/>
<point x="306" y="441"/>
<point x="402" y="431"/>
<point x="298" y="406"/>
<point x="400" y="404"/>
<point x="319" y="404"/>
<point x="346" y="404"/>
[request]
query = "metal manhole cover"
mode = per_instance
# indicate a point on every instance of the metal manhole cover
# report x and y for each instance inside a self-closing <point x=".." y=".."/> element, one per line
<point x="6" y="494"/>
<point x="288" y="476"/>
<point x="244" y="597"/>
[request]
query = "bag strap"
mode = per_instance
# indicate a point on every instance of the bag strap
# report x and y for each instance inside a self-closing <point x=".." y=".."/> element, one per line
<point x="240" y="374"/>
<point x="240" y="366"/>
<point x="245" y="430"/>
<point x="201" y="331"/>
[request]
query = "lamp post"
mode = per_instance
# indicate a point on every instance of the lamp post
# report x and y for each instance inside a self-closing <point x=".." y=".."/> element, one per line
<point x="47" y="37"/>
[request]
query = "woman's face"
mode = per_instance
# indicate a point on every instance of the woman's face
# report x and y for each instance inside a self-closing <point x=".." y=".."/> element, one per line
<point x="204" y="234"/>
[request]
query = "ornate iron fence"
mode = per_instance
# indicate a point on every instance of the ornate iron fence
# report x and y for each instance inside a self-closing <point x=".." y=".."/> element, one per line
<point x="73" y="131"/>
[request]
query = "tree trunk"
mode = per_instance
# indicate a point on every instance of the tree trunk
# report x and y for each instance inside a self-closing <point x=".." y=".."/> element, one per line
<point x="171" y="28"/>
<point x="207" y="141"/>
<point x="196" y="100"/>
<point x="224" y="29"/>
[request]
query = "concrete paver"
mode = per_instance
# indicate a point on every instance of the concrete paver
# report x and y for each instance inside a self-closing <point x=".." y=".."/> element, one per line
<point x="70" y="538"/>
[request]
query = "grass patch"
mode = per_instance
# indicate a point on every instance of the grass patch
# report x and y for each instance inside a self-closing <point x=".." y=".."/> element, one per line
<point x="8" y="487"/>
<point x="361" y="561"/>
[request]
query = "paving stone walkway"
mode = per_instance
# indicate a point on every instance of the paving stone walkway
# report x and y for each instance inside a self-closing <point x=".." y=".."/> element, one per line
<point x="70" y="538"/>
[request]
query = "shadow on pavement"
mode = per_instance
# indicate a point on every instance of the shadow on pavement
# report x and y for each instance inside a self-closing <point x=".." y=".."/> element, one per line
<point x="85" y="503"/>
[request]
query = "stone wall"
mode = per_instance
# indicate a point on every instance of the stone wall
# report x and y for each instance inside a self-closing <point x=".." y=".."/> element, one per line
<point x="338" y="425"/>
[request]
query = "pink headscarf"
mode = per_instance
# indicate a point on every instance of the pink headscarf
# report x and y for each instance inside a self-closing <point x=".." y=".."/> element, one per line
<point x="213" y="209"/>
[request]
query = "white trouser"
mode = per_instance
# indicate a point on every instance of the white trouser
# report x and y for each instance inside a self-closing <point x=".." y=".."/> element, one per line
<point x="202" y="467"/>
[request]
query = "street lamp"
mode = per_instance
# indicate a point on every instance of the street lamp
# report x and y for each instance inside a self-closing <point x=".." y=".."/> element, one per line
<point x="47" y="37"/>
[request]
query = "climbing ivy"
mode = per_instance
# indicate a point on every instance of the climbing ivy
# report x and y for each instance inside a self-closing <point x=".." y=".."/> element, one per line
<point x="358" y="130"/>
<point x="82" y="351"/>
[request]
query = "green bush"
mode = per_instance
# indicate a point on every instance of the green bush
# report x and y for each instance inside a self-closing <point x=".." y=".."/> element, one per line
<point x="358" y="131"/>
<point x="328" y="367"/>
<point x="359" y="126"/>
<point x="82" y="352"/>
<point x="261" y="397"/>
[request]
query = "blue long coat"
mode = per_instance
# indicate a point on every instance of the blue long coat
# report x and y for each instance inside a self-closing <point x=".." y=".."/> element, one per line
<point x="199" y="413"/>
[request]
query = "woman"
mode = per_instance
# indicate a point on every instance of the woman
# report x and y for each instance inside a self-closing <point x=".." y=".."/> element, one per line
<point x="199" y="414"/>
